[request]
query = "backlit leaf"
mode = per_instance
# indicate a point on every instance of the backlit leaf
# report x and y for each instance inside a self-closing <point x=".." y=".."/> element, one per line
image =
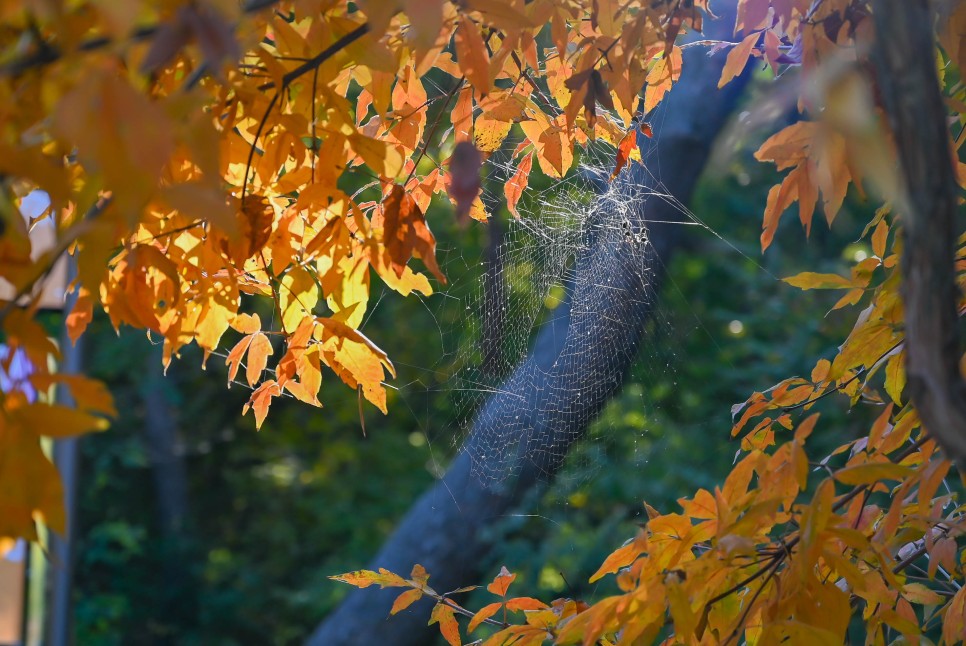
<point x="406" y="599"/>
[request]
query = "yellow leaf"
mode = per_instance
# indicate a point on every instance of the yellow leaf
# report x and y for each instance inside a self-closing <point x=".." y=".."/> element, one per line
<point x="381" y="156"/>
<point x="864" y="474"/>
<point x="737" y="59"/>
<point x="879" y="238"/>
<point x="661" y="77"/>
<point x="895" y="376"/>
<point x="297" y="297"/>
<point x="355" y="359"/>
<point x="364" y="578"/>
<point x="488" y="133"/>
<point x="54" y="420"/>
<point x="811" y="280"/>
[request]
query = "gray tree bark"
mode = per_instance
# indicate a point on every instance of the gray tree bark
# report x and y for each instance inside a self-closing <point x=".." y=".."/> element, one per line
<point x="443" y="530"/>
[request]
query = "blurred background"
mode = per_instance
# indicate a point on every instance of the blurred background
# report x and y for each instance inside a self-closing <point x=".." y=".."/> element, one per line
<point x="194" y="528"/>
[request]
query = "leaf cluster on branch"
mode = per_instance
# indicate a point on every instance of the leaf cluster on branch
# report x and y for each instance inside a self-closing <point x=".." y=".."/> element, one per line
<point x="198" y="158"/>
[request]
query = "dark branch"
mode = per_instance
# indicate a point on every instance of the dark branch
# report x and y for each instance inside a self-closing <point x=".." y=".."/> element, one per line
<point x="908" y="83"/>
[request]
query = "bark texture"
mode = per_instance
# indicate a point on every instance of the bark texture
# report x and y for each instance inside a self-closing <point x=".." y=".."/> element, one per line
<point x="910" y="89"/>
<point x="444" y="529"/>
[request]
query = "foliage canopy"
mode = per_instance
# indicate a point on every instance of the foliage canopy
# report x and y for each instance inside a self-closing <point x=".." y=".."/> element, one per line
<point x="196" y="157"/>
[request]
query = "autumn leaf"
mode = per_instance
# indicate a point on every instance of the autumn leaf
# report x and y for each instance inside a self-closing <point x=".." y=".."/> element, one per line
<point x="405" y="232"/>
<point x="81" y="315"/>
<point x="501" y="582"/>
<point x="811" y="280"/>
<point x="258" y="352"/>
<point x="364" y="578"/>
<point x="737" y="59"/>
<point x="443" y="615"/>
<point x="863" y="474"/>
<point x="260" y="400"/>
<point x="472" y="56"/>
<point x="298" y="296"/>
<point x="483" y="614"/>
<point x="621" y="557"/>
<point x="624" y="150"/>
<point x="406" y="599"/>
<point x="518" y="183"/>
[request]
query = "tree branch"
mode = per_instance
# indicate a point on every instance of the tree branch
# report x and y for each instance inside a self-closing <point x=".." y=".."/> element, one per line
<point x="903" y="53"/>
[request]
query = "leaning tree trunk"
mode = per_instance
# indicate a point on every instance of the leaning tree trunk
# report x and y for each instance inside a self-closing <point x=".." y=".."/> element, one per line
<point x="443" y="530"/>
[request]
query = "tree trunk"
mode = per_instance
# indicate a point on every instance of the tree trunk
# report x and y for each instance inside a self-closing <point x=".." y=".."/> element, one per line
<point x="178" y="602"/>
<point x="928" y="207"/>
<point x="443" y="530"/>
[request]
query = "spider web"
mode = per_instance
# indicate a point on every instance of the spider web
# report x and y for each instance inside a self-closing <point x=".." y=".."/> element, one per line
<point x="538" y="355"/>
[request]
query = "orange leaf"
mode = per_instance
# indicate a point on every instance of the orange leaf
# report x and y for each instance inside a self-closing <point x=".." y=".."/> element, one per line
<point x="419" y="574"/>
<point x="863" y="474"/>
<point x="405" y="232"/>
<point x="81" y="315"/>
<point x="54" y="420"/>
<point x="525" y="603"/>
<point x="261" y="399"/>
<point x="662" y="77"/>
<point x="406" y="599"/>
<point x="234" y="359"/>
<point x="622" y="557"/>
<point x="443" y="614"/>
<point x="954" y="621"/>
<point x="355" y="359"/>
<point x="501" y="582"/>
<point x="879" y="237"/>
<point x="472" y="56"/>
<point x="518" y="183"/>
<point x="483" y="614"/>
<point x="246" y="323"/>
<point x="624" y="150"/>
<point x="258" y="353"/>
<point x="737" y="59"/>
<point x="805" y="428"/>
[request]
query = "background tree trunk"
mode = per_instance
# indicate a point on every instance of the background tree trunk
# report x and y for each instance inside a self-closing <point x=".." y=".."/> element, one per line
<point x="929" y="210"/>
<point x="443" y="529"/>
<point x="169" y="473"/>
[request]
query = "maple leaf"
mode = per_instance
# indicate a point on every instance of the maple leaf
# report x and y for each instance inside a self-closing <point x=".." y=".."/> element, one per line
<point x="518" y="183"/>
<point x="405" y="232"/>
<point x="624" y="149"/>
<point x="737" y="59"/>
<point x="502" y="582"/>
<point x="472" y="55"/>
